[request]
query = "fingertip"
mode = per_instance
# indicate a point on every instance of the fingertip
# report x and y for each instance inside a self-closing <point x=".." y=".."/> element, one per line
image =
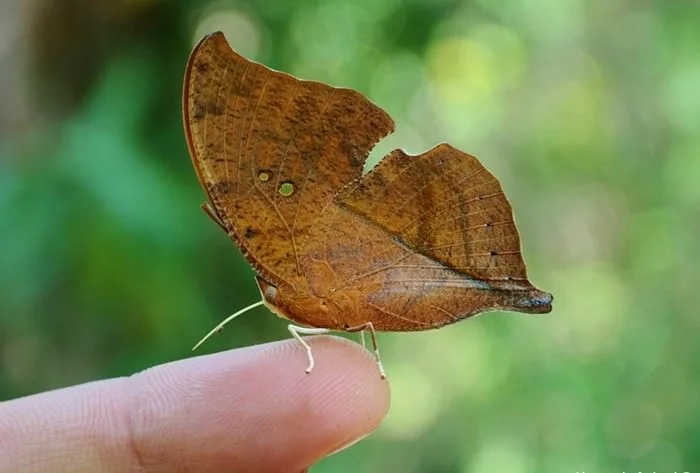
<point x="256" y="409"/>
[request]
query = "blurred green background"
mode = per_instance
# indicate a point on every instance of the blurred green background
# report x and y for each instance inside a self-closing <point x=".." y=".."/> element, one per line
<point x="588" y="111"/>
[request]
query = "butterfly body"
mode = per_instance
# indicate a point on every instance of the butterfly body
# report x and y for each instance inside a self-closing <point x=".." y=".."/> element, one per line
<point x="417" y="243"/>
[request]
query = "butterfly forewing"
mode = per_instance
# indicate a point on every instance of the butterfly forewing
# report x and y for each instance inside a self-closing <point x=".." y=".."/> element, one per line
<point x="271" y="150"/>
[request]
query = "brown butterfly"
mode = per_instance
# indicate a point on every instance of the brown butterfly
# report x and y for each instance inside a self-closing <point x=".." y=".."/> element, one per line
<point x="417" y="243"/>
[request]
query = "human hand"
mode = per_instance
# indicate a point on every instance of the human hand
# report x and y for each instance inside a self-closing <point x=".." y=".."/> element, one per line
<point x="247" y="410"/>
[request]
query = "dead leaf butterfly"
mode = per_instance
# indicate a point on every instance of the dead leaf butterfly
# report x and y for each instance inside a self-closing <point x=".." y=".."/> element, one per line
<point x="417" y="243"/>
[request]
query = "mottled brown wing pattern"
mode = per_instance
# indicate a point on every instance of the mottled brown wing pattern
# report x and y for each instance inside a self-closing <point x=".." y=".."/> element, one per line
<point x="271" y="150"/>
<point x="445" y="205"/>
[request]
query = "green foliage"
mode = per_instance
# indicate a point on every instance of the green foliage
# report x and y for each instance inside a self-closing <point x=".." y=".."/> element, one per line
<point x="589" y="112"/>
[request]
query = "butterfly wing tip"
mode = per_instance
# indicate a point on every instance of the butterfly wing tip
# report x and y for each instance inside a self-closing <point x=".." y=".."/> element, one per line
<point x="531" y="301"/>
<point x="536" y="302"/>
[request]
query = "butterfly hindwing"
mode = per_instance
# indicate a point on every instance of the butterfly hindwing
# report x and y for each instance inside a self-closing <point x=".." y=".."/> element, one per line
<point x="443" y="204"/>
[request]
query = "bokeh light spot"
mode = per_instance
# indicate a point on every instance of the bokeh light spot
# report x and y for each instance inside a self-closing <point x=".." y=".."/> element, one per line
<point x="242" y="33"/>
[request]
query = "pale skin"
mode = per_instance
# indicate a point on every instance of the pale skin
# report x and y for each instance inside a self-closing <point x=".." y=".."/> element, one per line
<point x="246" y="410"/>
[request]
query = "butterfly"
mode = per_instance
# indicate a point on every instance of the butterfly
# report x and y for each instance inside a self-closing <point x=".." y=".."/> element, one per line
<point x="417" y="243"/>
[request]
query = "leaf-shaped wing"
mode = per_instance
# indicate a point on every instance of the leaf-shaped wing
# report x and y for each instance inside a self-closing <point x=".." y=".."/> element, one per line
<point x="445" y="205"/>
<point x="271" y="150"/>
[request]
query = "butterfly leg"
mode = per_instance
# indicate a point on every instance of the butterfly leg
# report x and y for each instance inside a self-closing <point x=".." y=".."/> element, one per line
<point x="213" y="215"/>
<point x="373" y="335"/>
<point x="297" y="332"/>
<point x="362" y="338"/>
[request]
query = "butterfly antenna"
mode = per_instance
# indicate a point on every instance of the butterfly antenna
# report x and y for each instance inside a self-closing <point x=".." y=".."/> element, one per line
<point x="227" y="320"/>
